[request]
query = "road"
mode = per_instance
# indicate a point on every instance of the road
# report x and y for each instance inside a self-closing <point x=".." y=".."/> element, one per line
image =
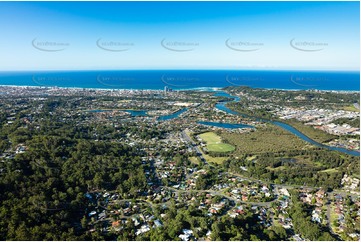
<point x="199" y="152"/>
<point x="328" y="218"/>
<point x="336" y="191"/>
<point x="328" y="215"/>
<point x="221" y="194"/>
<point x="277" y="186"/>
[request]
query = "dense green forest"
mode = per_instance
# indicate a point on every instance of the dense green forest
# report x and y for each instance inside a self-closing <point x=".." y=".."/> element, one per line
<point x="300" y="167"/>
<point x="43" y="189"/>
<point x="58" y="162"/>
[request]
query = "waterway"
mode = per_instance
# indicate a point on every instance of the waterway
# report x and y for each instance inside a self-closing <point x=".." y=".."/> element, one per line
<point x="173" y="115"/>
<point x="226" y="125"/>
<point x="287" y="127"/>
<point x="136" y="112"/>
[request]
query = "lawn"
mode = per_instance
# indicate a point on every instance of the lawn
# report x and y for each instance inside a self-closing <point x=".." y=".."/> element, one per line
<point x="211" y="159"/>
<point x="211" y="137"/>
<point x="194" y="160"/>
<point x="214" y="143"/>
<point x="216" y="160"/>
<point x="351" y="108"/>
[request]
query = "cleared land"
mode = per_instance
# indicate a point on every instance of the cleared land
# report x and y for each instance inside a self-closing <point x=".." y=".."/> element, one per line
<point x="265" y="139"/>
<point x="214" y="143"/>
<point x="194" y="160"/>
<point x="303" y="161"/>
<point x="351" y="108"/>
<point x="217" y="160"/>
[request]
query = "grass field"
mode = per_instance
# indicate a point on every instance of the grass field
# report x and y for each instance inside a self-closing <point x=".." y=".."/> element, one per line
<point x="214" y="143"/>
<point x="194" y="160"/>
<point x="351" y="108"/>
<point x="216" y="160"/>
<point x="211" y="137"/>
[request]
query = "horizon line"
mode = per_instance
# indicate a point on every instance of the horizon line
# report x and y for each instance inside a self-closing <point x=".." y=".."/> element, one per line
<point x="180" y="69"/>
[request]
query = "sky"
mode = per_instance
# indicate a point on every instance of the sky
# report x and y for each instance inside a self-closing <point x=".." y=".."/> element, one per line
<point x="179" y="35"/>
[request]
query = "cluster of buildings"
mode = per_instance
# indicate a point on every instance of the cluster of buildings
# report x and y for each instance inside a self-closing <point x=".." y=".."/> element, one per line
<point x="316" y="199"/>
<point x="248" y="191"/>
<point x="344" y="216"/>
<point x="321" y="118"/>
<point x="88" y="92"/>
<point x="337" y="129"/>
<point x="351" y="184"/>
<point x="338" y="211"/>
<point x="114" y="213"/>
<point x="349" y="143"/>
<point x="281" y="209"/>
<point x="169" y="179"/>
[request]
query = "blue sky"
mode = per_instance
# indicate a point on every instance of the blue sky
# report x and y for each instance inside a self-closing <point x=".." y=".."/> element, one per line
<point x="179" y="35"/>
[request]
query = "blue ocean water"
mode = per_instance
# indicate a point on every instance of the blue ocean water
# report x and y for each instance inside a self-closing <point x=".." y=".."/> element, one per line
<point x="186" y="79"/>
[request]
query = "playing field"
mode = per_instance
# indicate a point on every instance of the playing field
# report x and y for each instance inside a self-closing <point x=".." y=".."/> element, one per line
<point x="214" y="143"/>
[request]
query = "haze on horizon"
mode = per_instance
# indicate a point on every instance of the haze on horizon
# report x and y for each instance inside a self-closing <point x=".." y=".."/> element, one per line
<point x="179" y="35"/>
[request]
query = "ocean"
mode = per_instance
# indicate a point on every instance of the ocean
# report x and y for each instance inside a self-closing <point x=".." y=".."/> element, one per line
<point x="186" y="79"/>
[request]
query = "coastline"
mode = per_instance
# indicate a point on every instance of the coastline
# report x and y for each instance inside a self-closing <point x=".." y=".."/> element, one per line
<point x="203" y="89"/>
<point x="186" y="80"/>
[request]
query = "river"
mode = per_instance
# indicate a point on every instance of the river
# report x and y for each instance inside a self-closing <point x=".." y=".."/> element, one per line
<point x="225" y="125"/>
<point x="173" y="115"/>
<point x="289" y="128"/>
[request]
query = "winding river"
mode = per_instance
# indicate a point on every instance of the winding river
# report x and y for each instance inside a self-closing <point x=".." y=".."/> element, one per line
<point x="173" y="115"/>
<point x="222" y="106"/>
<point x="225" y="125"/>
